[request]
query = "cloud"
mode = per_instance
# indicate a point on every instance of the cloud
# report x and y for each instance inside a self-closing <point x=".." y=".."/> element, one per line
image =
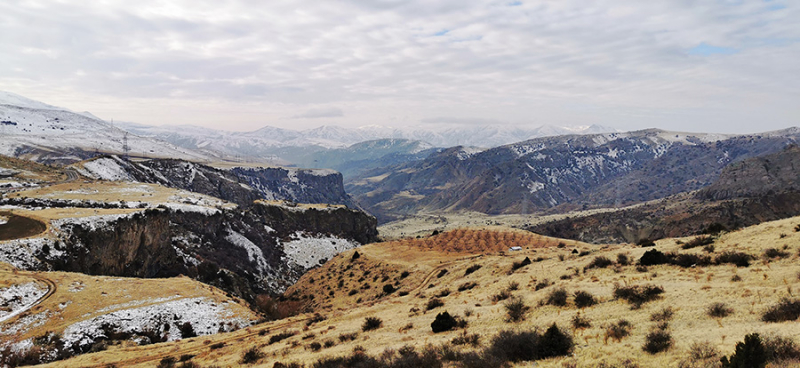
<point x="324" y="112"/>
<point x="612" y="62"/>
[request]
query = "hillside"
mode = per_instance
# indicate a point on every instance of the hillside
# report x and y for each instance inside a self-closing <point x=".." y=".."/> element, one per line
<point x="558" y="173"/>
<point x="62" y="314"/>
<point x="61" y="136"/>
<point x="478" y="285"/>
<point x="146" y="230"/>
<point x="240" y="185"/>
<point x="748" y="192"/>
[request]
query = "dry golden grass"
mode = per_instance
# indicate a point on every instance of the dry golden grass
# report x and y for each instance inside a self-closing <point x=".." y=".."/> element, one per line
<point x="689" y="291"/>
<point x="78" y="297"/>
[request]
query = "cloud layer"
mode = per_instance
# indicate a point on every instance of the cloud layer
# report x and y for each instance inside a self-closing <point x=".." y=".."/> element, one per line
<point x="728" y="66"/>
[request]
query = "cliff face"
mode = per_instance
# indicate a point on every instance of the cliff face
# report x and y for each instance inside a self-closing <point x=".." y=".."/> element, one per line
<point x="245" y="251"/>
<point x="239" y="185"/>
<point x="297" y="185"/>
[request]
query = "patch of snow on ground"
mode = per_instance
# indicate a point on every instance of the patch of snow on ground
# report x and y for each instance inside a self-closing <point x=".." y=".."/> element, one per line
<point x="253" y="251"/>
<point x="25" y="323"/>
<point x="20" y="252"/>
<point x="535" y="186"/>
<point x="137" y="303"/>
<point x="106" y="169"/>
<point x="205" y="316"/>
<point x="191" y="208"/>
<point x="92" y="223"/>
<point x="307" y="251"/>
<point x="16" y="299"/>
<point x="467" y="152"/>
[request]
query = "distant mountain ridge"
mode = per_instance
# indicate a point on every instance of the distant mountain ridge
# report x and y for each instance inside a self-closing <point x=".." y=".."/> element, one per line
<point x="559" y="173"/>
<point x="278" y="142"/>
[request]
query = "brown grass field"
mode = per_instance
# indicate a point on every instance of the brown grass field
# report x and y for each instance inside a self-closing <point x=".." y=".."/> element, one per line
<point x="348" y="289"/>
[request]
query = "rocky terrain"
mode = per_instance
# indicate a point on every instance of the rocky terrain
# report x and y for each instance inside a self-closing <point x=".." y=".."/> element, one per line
<point x="558" y="173"/>
<point x="748" y="192"/>
<point x="238" y="185"/>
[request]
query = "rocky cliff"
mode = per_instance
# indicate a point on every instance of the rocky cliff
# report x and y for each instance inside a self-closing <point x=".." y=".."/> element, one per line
<point x="261" y="249"/>
<point x="560" y="173"/>
<point x="239" y="185"/>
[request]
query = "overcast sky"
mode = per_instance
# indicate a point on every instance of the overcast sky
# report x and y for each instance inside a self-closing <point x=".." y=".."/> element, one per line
<point x="715" y="65"/>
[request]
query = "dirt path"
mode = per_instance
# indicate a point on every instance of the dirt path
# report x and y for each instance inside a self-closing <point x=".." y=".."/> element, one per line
<point x="51" y="289"/>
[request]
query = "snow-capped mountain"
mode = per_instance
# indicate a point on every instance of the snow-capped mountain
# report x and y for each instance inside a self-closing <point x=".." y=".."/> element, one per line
<point x="49" y="133"/>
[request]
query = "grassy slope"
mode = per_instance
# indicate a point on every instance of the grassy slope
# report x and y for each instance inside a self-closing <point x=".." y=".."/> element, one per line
<point x="688" y="290"/>
<point x="78" y="297"/>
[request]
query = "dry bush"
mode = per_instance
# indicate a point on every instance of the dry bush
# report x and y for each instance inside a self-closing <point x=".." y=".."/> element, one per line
<point x="657" y="341"/>
<point x="663" y="315"/>
<point x="580" y="323"/>
<point x="516" y="309"/>
<point x="371" y="323"/>
<point x="786" y="310"/>
<point x="618" y="330"/>
<point x="433" y="303"/>
<point x="599" y="262"/>
<point x="584" y="299"/>
<point x="719" y="310"/>
<point x="637" y="295"/>
<point x="557" y="297"/>
<point x="698" y="242"/>
<point x="252" y="355"/>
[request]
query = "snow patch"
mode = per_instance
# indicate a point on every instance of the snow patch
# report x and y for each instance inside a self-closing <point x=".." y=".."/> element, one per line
<point x="307" y="251"/>
<point x="16" y="299"/>
<point x="254" y="253"/>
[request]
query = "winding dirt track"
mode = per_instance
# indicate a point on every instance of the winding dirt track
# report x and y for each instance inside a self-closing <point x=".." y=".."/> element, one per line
<point x="51" y="289"/>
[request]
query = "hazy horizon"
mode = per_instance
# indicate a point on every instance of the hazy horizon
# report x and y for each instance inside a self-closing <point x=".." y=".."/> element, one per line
<point x="722" y="67"/>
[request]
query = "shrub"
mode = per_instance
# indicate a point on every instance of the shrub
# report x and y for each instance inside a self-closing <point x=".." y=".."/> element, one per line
<point x="709" y="248"/>
<point x="388" y="289"/>
<point x="653" y="257"/>
<point x="619" y="330"/>
<point x="584" y="299"/>
<point x="579" y="322"/>
<point x="737" y="258"/>
<point x="687" y="260"/>
<point x="441" y="273"/>
<point x="443" y="322"/>
<point x="715" y="229"/>
<point x="599" y="262"/>
<point x="786" y="310"/>
<point x="281" y="336"/>
<point x="542" y="284"/>
<point x="472" y="269"/>
<point x="433" y="303"/>
<point x="187" y="330"/>
<point x="780" y="348"/>
<point x="528" y="346"/>
<point x="719" y="310"/>
<point x="557" y="297"/>
<point x="736" y="278"/>
<point x="216" y="346"/>
<point x="503" y="295"/>
<point x="797" y="228"/>
<point x="748" y="354"/>
<point x="345" y="337"/>
<point x="703" y="351"/>
<point x="467" y="339"/>
<point x="657" y="341"/>
<point x="467" y="286"/>
<point x="315" y="346"/>
<point x="644" y="242"/>
<point x="517" y="265"/>
<point x="443" y="293"/>
<point x="404" y="274"/>
<point x="698" y="242"/>
<point x="371" y="323"/>
<point x="772" y="253"/>
<point x="252" y="355"/>
<point x="167" y="362"/>
<point x="623" y="260"/>
<point x="554" y="343"/>
<point x="515" y="309"/>
<point x="664" y="315"/>
<point x="638" y="295"/>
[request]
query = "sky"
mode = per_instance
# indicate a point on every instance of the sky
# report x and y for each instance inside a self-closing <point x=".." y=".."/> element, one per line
<point x="723" y="66"/>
